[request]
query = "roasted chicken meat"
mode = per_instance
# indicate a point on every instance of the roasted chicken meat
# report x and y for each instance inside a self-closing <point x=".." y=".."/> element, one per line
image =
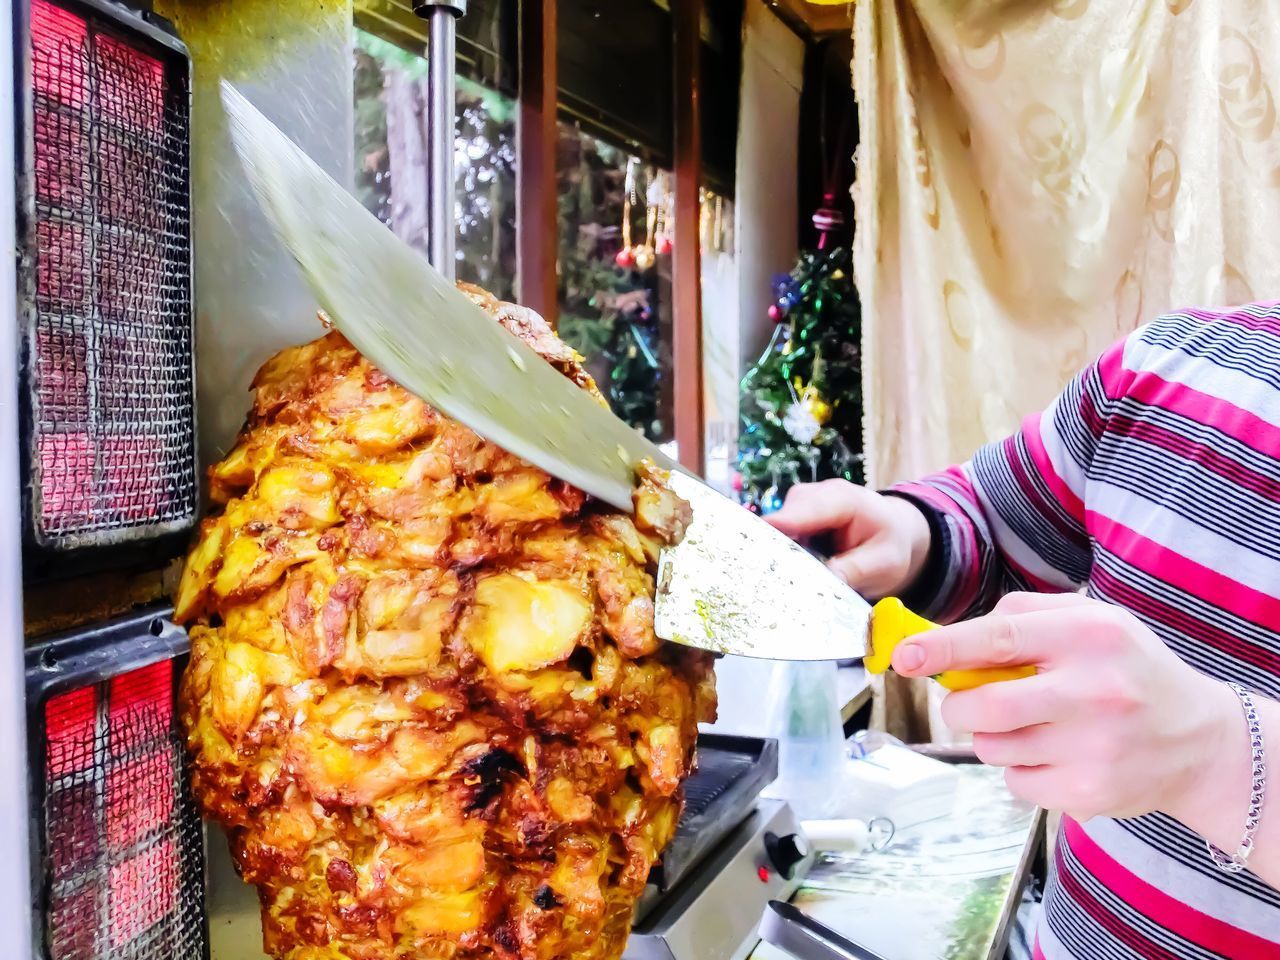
<point x="425" y="698"/>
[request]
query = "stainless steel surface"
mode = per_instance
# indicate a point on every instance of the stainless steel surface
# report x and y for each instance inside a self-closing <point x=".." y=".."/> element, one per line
<point x="715" y="912"/>
<point x="293" y="58"/>
<point x="235" y="918"/>
<point x="441" y="103"/>
<point x="804" y="938"/>
<point x="733" y="585"/>
<point x="15" y="821"/>
<point x="736" y="585"/>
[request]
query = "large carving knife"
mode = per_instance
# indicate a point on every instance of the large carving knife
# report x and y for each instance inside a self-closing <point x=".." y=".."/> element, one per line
<point x="733" y="585"/>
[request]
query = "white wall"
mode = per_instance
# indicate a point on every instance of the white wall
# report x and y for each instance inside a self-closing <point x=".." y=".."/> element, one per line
<point x="767" y="175"/>
<point x="766" y="243"/>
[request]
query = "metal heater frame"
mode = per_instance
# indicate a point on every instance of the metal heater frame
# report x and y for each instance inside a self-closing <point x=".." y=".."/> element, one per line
<point x="81" y="552"/>
<point x="77" y="660"/>
<point x="15" y="889"/>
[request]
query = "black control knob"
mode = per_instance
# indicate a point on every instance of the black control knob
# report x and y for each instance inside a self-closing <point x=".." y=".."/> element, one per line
<point x="786" y="853"/>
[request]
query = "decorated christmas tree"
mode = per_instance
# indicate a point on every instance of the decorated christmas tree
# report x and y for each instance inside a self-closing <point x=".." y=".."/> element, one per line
<point x="801" y="401"/>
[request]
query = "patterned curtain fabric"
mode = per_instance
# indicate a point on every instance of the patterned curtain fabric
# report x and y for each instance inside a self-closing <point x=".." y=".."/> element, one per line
<point x="1036" y="178"/>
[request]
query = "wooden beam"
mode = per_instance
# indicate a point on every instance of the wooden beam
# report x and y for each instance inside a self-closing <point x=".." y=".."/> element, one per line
<point x="686" y="285"/>
<point x="536" y="239"/>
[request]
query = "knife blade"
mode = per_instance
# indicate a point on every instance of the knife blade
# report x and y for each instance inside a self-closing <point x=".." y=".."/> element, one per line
<point x="733" y="584"/>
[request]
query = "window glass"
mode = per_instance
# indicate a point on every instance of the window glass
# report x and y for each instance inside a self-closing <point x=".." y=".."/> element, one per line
<point x="614" y="269"/>
<point x="391" y="160"/>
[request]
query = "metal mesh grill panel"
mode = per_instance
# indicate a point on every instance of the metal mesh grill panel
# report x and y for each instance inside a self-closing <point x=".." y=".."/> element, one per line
<point x="112" y="394"/>
<point x="716" y="773"/>
<point x="122" y="836"/>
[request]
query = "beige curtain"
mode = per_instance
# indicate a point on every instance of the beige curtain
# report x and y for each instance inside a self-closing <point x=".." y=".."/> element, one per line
<point x="1036" y="177"/>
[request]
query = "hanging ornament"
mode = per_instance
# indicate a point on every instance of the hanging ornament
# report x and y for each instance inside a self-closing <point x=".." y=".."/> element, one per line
<point x="777" y="312"/>
<point x="800" y="423"/>
<point x="806" y="415"/>
<point x="663" y="247"/>
<point x="653" y="193"/>
<point x="771" y="499"/>
<point x="643" y="256"/>
<point x="812" y="456"/>
<point x="646" y="253"/>
<point x="827" y="218"/>
<point x="818" y="408"/>
<point x="667" y="213"/>
<point x="626" y="257"/>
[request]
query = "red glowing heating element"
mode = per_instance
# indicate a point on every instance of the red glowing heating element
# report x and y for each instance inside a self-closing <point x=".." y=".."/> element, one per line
<point x="119" y="850"/>
<point x="113" y="790"/>
<point x="112" y="448"/>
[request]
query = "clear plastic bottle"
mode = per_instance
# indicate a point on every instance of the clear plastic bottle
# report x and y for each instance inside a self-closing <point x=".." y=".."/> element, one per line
<point x="804" y="716"/>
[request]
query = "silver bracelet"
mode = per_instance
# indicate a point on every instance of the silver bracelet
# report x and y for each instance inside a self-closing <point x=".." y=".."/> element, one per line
<point x="1257" y="791"/>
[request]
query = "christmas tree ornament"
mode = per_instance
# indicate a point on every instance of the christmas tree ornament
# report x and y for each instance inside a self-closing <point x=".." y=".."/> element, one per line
<point x="643" y="257"/>
<point x="626" y="257"/>
<point x="771" y="499"/>
<point x="817" y="408"/>
<point x="800" y="423"/>
<point x="811" y="456"/>
<point x="663" y="246"/>
<point x="777" y="312"/>
<point x="644" y="253"/>
<point x="827" y="218"/>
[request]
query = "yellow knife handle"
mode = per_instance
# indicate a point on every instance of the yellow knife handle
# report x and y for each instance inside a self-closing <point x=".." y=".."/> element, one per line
<point x="891" y="623"/>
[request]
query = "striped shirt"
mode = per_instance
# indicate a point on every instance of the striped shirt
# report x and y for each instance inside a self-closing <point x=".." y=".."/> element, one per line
<point x="1153" y="483"/>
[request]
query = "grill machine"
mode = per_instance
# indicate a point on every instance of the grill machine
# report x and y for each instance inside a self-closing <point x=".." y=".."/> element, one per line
<point x="123" y="176"/>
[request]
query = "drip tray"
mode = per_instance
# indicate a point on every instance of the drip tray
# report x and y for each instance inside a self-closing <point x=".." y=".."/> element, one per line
<point x="732" y="771"/>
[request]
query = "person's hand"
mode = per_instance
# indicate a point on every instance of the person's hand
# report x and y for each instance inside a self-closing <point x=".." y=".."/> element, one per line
<point x="1113" y="724"/>
<point x="882" y="542"/>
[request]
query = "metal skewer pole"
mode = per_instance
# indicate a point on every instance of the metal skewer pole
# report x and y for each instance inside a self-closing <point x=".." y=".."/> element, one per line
<point x="442" y="35"/>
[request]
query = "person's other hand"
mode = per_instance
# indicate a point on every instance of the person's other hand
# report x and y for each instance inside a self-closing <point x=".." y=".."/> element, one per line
<point x="1113" y="724"/>
<point x="881" y="542"/>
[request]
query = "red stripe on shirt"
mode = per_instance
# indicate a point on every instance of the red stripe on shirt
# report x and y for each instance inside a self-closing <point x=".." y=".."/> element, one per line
<point x="1170" y="913"/>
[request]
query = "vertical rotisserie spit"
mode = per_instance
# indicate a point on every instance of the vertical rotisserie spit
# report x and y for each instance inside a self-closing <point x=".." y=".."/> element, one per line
<point x="425" y="697"/>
